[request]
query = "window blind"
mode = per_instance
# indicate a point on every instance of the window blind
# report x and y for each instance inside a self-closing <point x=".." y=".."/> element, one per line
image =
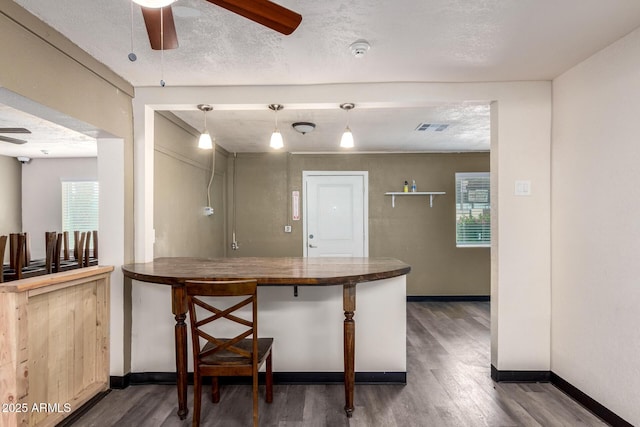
<point x="473" y="212"/>
<point x="79" y="207"/>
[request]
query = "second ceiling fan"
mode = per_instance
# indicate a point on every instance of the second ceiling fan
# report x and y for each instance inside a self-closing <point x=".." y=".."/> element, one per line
<point x="162" y="30"/>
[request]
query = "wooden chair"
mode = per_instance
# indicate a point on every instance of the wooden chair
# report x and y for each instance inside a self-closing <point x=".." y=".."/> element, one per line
<point x="57" y="256"/>
<point x="50" y="251"/>
<point x="238" y="356"/>
<point x="79" y="248"/>
<point x="65" y="245"/>
<point x="3" y="245"/>
<point x="95" y="244"/>
<point x="87" y="250"/>
<point x="17" y="253"/>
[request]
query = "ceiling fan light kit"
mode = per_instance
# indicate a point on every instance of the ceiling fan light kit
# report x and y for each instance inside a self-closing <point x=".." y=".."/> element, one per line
<point x="154" y="4"/>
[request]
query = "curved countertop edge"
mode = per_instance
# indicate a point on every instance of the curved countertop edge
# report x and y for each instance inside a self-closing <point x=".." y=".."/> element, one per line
<point x="374" y="269"/>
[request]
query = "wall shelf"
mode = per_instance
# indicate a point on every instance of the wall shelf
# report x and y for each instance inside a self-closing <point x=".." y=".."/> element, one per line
<point x="393" y="195"/>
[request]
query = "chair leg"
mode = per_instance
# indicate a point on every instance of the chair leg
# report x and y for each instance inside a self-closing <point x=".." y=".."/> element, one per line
<point x="255" y="398"/>
<point x="197" y="398"/>
<point x="269" y="380"/>
<point x="215" y="390"/>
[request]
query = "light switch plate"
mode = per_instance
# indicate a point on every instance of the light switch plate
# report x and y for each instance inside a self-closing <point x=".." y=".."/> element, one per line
<point x="287" y="229"/>
<point x="523" y="188"/>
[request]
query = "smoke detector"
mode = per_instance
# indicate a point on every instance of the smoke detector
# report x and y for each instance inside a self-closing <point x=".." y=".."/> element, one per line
<point x="359" y="48"/>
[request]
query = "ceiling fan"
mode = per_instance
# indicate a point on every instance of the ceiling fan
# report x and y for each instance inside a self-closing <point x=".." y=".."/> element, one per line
<point x="13" y="130"/>
<point x="158" y="18"/>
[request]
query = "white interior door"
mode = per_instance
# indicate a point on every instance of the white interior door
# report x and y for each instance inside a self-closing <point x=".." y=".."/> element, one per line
<point x="335" y="214"/>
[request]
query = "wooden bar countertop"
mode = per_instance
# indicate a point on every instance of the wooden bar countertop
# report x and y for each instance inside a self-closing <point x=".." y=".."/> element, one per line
<point x="268" y="271"/>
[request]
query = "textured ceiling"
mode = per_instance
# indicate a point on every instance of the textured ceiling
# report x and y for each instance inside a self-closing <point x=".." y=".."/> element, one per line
<point x="411" y="41"/>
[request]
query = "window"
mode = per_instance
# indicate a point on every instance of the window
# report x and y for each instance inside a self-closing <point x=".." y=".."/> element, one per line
<point x="79" y="207"/>
<point x="473" y="213"/>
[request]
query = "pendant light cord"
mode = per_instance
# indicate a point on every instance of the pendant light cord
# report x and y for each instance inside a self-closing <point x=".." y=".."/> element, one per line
<point x="213" y="170"/>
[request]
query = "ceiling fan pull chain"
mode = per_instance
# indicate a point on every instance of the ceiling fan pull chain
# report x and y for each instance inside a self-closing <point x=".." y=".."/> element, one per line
<point x="132" y="56"/>
<point x="162" y="83"/>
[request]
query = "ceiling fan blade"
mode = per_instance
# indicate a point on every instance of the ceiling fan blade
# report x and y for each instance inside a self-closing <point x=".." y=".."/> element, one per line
<point x="263" y="12"/>
<point x="152" y="19"/>
<point x="12" y="140"/>
<point x="14" y="130"/>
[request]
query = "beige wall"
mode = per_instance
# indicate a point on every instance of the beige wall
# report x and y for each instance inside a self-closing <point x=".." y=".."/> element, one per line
<point x="11" y="197"/>
<point x="181" y="175"/>
<point x="423" y="237"/>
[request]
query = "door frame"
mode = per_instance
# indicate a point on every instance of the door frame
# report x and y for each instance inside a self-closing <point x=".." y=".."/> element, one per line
<point x="365" y="201"/>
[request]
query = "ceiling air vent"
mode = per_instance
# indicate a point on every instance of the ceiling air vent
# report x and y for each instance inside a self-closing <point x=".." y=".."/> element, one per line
<point x="431" y="127"/>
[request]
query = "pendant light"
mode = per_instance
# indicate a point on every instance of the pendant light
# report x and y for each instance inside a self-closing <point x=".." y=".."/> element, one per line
<point x="347" y="137"/>
<point x="205" y="139"/>
<point x="154" y="4"/>
<point x="276" y="136"/>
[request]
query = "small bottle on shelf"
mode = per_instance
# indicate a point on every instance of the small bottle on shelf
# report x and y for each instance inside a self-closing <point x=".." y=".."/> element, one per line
<point x="413" y="186"/>
<point x="406" y="187"/>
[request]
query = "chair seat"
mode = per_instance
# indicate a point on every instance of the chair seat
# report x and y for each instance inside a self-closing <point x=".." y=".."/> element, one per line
<point x="226" y="357"/>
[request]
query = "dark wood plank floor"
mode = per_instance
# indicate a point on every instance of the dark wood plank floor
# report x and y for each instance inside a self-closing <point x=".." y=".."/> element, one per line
<point x="449" y="384"/>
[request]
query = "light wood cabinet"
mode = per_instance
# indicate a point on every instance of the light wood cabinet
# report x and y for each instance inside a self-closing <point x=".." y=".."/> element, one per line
<point x="54" y="345"/>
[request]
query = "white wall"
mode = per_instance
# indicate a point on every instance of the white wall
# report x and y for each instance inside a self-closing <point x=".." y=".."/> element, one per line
<point x="111" y="178"/>
<point x="307" y="330"/>
<point x="42" y="195"/>
<point x="595" y="228"/>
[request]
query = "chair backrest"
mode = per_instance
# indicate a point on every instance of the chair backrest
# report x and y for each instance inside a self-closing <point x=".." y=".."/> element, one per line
<point x="65" y="245"/>
<point x="50" y="250"/>
<point x="16" y="253"/>
<point x="3" y="245"/>
<point x="57" y="256"/>
<point x="87" y="249"/>
<point x="79" y="250"/>
<point x="232" y="288"/>
<point x="95" y="243"/>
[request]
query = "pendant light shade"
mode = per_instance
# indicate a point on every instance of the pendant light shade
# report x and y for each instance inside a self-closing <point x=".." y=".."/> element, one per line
<point x="347" y="137"/>
<point x="276" y="140"/>
<point x="276" y="137"/>
<point x="154" y="4"/>
<point x="205" y="140"/>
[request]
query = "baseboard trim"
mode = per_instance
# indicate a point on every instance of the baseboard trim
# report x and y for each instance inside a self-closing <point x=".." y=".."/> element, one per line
<point x="447" y="298"/>
<point x="78" y="413"/>
<point x="520" y="376"/>
<point x="138" y="378"/>
<point x="592" y="405"/>
<point x="118" y="383"/>
<point x="582" y="398"/>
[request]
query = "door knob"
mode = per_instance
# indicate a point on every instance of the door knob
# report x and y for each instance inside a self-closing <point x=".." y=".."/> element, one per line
<point x="312" y="246"/>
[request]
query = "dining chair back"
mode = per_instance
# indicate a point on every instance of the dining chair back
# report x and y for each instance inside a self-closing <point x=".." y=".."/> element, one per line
<point x="16" y="253"/>
<point x="213" y="356"/>
<point x="50" y="251"/>
<point x="3" y="245"/>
